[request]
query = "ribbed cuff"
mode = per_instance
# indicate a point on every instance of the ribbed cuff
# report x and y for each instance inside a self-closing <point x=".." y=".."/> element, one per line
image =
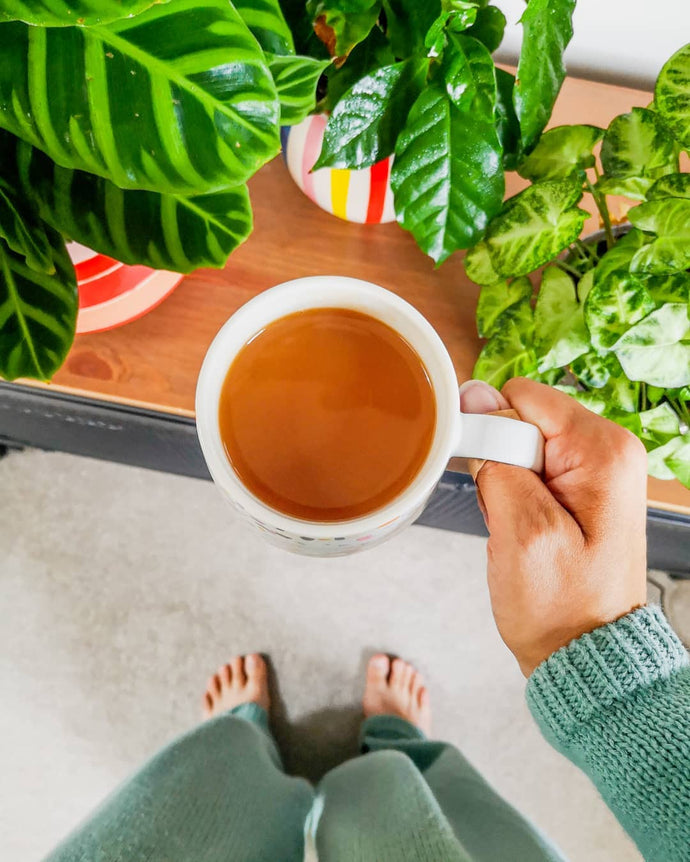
<point x="607" y="665"/>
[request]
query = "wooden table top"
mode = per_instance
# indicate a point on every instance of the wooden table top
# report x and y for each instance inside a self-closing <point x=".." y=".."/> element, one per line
<point x="154" y="361"/>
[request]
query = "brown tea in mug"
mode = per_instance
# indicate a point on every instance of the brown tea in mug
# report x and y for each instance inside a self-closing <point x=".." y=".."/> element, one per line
<point x="327" y="414"/>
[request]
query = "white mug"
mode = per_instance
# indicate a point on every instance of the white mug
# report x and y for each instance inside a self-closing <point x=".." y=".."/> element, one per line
<point x="495" y="438"/>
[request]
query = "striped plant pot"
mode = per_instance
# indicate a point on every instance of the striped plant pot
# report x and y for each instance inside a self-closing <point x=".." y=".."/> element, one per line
<point x="112" y="293"/>
<point x="361" y="196"/>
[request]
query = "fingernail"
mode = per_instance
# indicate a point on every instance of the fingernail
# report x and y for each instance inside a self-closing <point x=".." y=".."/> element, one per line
<point x="478" y="397"/>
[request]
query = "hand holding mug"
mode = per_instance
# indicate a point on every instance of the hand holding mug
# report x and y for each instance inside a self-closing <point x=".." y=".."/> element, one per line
<point x="567" y="552"/>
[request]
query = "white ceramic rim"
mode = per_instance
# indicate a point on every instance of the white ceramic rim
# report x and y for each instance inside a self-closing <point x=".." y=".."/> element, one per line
<point x="328" y="291"/>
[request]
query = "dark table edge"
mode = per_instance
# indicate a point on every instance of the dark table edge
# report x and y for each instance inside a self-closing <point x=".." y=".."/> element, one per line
<point x="140" y="437"/>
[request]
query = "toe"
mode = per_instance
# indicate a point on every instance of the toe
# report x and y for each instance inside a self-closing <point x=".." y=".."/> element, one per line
<point x="255" y="667"/>
<point x="422" y="698"/>
<point x="378" y="668"/>
<point x="225" y="674"/>
<point x="217" y="685"/>
<point x="237" y="665"/>
<point x="398" y="667"/>
<point x="207" y="704"/>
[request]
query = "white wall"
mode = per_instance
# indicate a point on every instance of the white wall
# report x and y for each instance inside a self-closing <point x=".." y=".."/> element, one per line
<point x="621" y="41"/>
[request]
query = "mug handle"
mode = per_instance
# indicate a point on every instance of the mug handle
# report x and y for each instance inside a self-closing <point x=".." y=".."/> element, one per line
<point x="501" y="436"/>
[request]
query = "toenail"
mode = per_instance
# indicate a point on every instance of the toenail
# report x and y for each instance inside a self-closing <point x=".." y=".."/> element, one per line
<point x="380" y="662"/>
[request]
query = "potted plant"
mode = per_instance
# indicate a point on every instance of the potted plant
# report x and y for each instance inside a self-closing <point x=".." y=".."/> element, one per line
<point x="131" y="127"/>
<point x="609" y="323"/>
<point x="415" y="81"/>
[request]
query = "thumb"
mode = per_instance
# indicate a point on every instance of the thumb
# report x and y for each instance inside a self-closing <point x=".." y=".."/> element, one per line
<point x="511" y="498"/>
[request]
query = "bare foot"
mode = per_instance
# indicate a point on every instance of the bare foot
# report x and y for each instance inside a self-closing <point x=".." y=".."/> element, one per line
<point x="244" y="680"/>
<point x="396" y="688"/>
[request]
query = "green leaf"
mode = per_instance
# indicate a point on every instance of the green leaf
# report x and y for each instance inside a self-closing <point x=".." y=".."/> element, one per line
<point x="488" y="27"/>
<point x="408" y="22"/>
<point x="367" y="120"/>
<point x="672" y="95"/>
<point x="38" y="313"/>
<point x="559" y="324"/>
<point x="547" y="29"/>
<point x="669" y="219"/>
<point x="23" y="232"/>
<point x="496" y="298"/>
<point x="534" y="227"/>
<point x="510" y="352"/>
<point x="674" y="287"/>
<point x="657" y="349"/>
<point x="620" y="393"/>
<point x="507" y="125"/>
<point x="456" y="19"/>
<point x="267" y="24"/>
<point x="371" y="54"/>
<point x="617" y="300"/>
<point x="584" y="286"/>
<point x="478" y="265"/>
<point x="299" y="22"/>
<point x="447" y="178"/>
<point x="619" y="256"/>
<point x="670" y="186"/>
<point x="342" y="24"/>
<point x="659" y="425"/>
<point x="60" y="13"/>
<point x="163" y="231"/>
<point x="150" y="102"/>
<point x="656" y="458"/>
<point x="678" y="461"/>
<point x="636" y="151"/>
<point x="295" y="79"/>
<point x="561" y="152"/>
<point x="594" y="369"/>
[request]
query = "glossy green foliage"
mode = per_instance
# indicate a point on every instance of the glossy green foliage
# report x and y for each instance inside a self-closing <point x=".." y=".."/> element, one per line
<point x="61" y="13"/>
<point x="496" y="298"/>
<point x="561" y="152"/>
<point x="672" y="95"/>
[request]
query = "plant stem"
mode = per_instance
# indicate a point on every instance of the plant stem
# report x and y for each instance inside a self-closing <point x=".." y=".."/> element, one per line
<point x="561" y="264"/>
<point x="600" y="201"/>
<point x="589" y="250"/>
<point x="643" y="397"/>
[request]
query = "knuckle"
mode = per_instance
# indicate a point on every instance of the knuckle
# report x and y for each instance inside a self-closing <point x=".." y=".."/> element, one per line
<point x="628" y="449"/>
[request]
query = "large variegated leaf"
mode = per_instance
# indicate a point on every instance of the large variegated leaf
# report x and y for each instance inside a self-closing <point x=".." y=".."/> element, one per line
<point x="38" y="313"/>
<point x="547" y="29"/>
<point x="60" y="13"/>
<point x="295" y="79"/>
<point x="266" y="21"/>
<point x="532" y="229"/>
<point x="672" y="94"/>
<point x="496" y="298"/>
<point x="560" y="334"/>
<point x="163" y="231"/>
<point x="616" y="302"/>
<point x="561" y="152"/>
<point x="510" y="352"/>
<point x="678" y="461"/>
<point x="657" y="349"/>
<point x="23" y="232"/>
<point x="637" y="149"/>
<point x="178" y="99"/>
<point x="670" y="186"/>
<point x="669" y="219"/>
<point x="447" y="177"/>
<point x="659" y="425"/>
<point x="367" y="120"/>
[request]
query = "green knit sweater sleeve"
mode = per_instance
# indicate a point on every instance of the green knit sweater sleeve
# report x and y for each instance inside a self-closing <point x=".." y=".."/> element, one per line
<point x="616" y="702"/>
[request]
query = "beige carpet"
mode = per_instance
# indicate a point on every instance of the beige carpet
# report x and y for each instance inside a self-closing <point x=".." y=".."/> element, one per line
<point x="122" y="589"/>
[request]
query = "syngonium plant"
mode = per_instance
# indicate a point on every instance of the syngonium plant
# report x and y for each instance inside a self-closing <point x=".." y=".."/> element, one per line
<point x="132" y="127"/>
<point x="611" y="320"/>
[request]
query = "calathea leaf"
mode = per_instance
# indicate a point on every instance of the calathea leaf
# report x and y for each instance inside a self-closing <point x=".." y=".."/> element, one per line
<point x="559" y="323"/>
<point x="672" y="95"/>
<point x="488" y="27"/>
<point x="507" y="124"/>
<point x="617" y="300"/>
<point x="496" y="298"/>
<point x="636" y="150"/>
<point x="162" y="231"/>
<point x="533" y="227"/>
<point x="547" y="29"/>
<point x="148" y="102"/>
<point x="367" y="120"/>
<point x="510" y="351"/>
<point x="657" y="349"/>
<point x="23" y="231"/>
<point x="60" y="13"/>
<point x="670" y="186"/>
<point x="342" y="24"/>
<point x="669" y="219"/>
<point x="447" y="177"/>
<point x="295" y="79"/>
<point x="561" y="152"/>
<point x="267" y="24"/>
<point x="408" y="22"/>
<point x="38" y="313"/>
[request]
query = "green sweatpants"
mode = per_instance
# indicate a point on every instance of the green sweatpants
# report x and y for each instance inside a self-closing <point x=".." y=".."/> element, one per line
<point x="219" y="794"/>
